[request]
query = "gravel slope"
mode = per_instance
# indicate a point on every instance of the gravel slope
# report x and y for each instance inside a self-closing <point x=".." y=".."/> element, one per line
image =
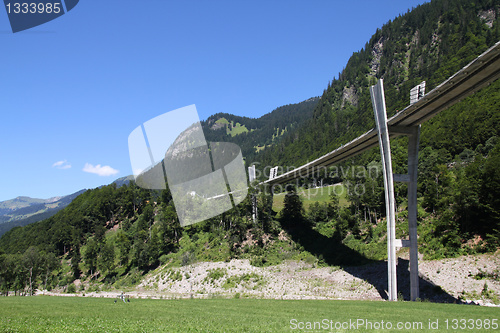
<point x="456" y="280"/>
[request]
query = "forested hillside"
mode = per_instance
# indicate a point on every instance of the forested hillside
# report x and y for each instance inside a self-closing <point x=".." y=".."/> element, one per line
<point x="255" y="134"/>
<point x="113" y="235"/>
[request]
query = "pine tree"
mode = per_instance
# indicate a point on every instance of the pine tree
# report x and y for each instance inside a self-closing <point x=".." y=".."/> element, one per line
<point x="292" y="214"/>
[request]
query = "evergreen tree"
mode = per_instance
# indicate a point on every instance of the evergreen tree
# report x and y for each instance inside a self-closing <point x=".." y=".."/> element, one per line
<point x="292" y="214"/>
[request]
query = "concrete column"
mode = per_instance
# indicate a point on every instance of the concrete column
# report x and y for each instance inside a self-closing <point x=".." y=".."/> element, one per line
<point x="413" y="134"/>
<point x="413" y="143"/>
<point x="379" y="109"/>
<point x="254" y="208"/>
<point x="251" y="178"/>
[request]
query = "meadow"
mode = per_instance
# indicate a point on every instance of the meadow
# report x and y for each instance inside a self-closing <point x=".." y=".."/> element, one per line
<point x="312" y="195"/>
<point x="84" y="314"/>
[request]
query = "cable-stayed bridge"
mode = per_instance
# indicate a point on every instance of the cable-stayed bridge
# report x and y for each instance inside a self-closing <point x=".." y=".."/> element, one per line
<point x="479" y="73"/>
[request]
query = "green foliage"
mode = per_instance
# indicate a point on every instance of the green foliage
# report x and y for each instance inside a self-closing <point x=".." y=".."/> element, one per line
<point x="71" y="289"/>
<point x="132" y="278"/>
<point x="90" y="253"/>
<point x="27" y="271"/>
<point x="293" y="213"/>
<point x="249" y="279"/>
<point x="106" y="258"/>
<point x="173" y="275"/>
<point x="215" y="274"/>
<point x="486" y="275"/>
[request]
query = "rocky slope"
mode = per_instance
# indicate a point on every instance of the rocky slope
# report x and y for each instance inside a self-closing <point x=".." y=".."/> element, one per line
<point x="467" y="279"/>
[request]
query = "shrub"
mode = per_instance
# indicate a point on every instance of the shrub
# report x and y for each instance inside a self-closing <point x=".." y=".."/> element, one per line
<point x="173" y="275"/>
<point x="71" y="289"/>
<point x="163" y="259"/>
<point x="215" y="274"/>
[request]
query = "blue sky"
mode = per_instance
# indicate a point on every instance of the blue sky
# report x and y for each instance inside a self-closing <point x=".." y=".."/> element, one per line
<point x="74" y="88"/>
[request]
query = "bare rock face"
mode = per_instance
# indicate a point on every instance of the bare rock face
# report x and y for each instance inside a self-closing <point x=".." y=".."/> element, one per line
<point x="488" y="16"/>
<point x="217" y="126"/>
<point x="377" y="54"/>
<point x="350" y="94"/>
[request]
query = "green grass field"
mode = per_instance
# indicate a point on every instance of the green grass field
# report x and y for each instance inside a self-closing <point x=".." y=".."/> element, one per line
<point x="237" y="129"/>
<point x="321" y="195"/>
<point x="78" y="314"/>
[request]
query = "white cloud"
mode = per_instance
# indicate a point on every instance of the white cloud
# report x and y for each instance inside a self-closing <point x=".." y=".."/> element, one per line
<point x="61" y="165"/>
<point x="105" y="170"/>
<point x="137" y="172"/>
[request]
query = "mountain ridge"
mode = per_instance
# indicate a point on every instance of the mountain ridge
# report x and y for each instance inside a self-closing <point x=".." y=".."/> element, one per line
<point x="17" y="208"/>
<point x="30" y="210"/>
<point x="262" y="132"/>
<point x="37" y="210"/>
<point x="24" y="201"/>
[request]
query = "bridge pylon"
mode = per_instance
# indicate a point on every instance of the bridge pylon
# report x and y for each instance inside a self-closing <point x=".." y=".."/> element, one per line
<point x="413" y="133"/>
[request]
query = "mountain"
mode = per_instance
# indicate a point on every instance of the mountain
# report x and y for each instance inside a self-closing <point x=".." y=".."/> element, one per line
<point x="256" y="134"/>
<point x="430" y="43"/>
<point x="9" y="206"/>
<point x="123" y="181"/>
<point x="24" y="210"/>
<point x="23" y="207"/>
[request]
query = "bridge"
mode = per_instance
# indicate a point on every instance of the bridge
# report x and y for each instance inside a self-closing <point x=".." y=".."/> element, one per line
<point x="479" y="73"/>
